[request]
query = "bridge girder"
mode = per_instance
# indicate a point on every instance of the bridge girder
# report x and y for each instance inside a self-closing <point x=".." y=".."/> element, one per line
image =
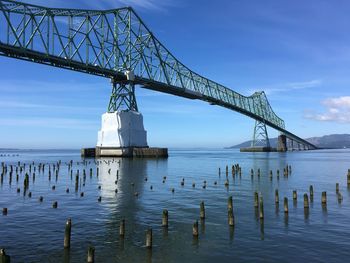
<point x="110" y="43"/>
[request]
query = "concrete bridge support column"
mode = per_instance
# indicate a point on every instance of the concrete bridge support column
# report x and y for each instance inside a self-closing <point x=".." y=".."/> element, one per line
<point x="282" y="143"/>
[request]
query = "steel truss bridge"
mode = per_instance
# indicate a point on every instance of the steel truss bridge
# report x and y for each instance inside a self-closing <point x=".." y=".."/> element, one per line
<point x="117" y="44"/>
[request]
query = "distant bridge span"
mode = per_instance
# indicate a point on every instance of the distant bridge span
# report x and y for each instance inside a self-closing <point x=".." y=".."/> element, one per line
<point x="118" y="45"/>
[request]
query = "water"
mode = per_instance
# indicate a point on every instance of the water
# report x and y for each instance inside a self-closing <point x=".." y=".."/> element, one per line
<point x="33" y="231"/>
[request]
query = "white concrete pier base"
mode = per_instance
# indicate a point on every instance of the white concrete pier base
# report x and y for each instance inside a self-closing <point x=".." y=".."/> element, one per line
<point x="122" y="129"/>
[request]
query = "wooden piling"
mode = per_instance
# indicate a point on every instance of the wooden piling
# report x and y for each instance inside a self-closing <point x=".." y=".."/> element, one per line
<point x="54" y="204"/>
<point x="306" y="201"/>
<point x="122" y="228"/>
<point x="149" y="238"/>
<point x="276" y="197"/>
<point x="4" y="258"/>
<point x="286" y="205"/>
<point x="337" y="187"/>
<point x="165" y="218"/>
<point x="231" y="218"/>
<point x="67" y="233"/>
<point x="324" y="198"/>
<point x="91" y="254"/>
<point x="261" y="210"/>
<point x="195" y="231"/>
<point x="229" y="203"/>
<point x="256" y="199"/>
<point x="311" y="192"/>
<point x="294" y="195"/>
<point x="4" y="211"/>
<point x="202" y="211"/>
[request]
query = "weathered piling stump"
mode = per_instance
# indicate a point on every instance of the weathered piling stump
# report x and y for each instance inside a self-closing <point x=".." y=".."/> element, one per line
<point x="324" y="198"/>
<point x="18" y="190"/>
<point x="67" y="190"/>
<point x="82" y="194"/>
<point x="231" y="218"/>
<point x="76" y="182"/>
<point x="348" y="178"/>
<point x="340" y="197"/>
<point x="311" y="193"/>
<point x="195" y="231"/>
<point x="30" y="194"/>
<point x="306" y="201"/>
<point x="67" y="233"/>
<point x="230" y="203"/>
<point x="99" y="199"/>
<point x="91" y="255"/>
<point x="54" y="204"/>
<point x="285" y="205"/>
<point x="295" y="195"/>
<point x="261" y="208"/>
<point x="256" y="199"/>
<point x="276" y="196"/>
<point x="149" y="238"/>
<point x="41" y="199"/>
<point x="122" y="228"/>
<point x="227" y="183"/>
<point x="4" y="211"/>
<point x="165" y="218"/>
<point x="271" y="175"/>
<point x="4" y="258"/>
<point x="337" y="187"/>
<point x="202" y="211"/>
<point x="193" y="185"/>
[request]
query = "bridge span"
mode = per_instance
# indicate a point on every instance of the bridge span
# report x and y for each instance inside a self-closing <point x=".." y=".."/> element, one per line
<point x="117" y="44"/>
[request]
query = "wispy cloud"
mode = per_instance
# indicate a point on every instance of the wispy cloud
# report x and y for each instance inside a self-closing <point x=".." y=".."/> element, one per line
<point x="286" y="87"/>
<point x="337" y="110"/>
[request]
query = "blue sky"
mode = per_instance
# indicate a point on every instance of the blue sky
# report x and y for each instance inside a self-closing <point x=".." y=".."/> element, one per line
<point x="298" y="52"/>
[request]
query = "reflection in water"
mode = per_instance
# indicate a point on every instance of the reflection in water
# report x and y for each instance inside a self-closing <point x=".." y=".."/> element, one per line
<point x="286" y="218"/>
<point x="306" y="214"/>
<point x="262" y="231"/>
<point x="232" y="232"/>
<point x="202" y="220"/>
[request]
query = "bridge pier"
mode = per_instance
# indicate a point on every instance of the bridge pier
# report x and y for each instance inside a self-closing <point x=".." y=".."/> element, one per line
<point x="122" y="131"/>
<point x="282" y="143"/>
<point x="260" y="142"/>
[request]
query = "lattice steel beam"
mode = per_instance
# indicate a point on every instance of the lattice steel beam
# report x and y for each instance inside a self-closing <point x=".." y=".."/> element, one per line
<point x="109" y="43"/>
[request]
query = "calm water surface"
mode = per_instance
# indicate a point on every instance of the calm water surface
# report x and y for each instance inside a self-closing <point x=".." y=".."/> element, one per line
<point x="33" y="231"/>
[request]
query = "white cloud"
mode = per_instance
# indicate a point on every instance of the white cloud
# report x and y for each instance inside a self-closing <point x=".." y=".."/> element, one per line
<point x="337" y="110"/>
<point x="290" y="86"/>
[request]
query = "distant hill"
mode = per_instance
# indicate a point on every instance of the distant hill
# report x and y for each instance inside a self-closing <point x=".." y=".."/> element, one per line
<point x="333" y="141"/>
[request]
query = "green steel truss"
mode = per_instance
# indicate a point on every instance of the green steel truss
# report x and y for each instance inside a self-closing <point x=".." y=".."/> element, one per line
<point x="122" y="97"/>
<point x="109" y="43"/>
<point x="260" y="136"/>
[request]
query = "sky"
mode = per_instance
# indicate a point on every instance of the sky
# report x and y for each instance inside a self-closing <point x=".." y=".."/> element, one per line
<point x="298" y="52"/>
